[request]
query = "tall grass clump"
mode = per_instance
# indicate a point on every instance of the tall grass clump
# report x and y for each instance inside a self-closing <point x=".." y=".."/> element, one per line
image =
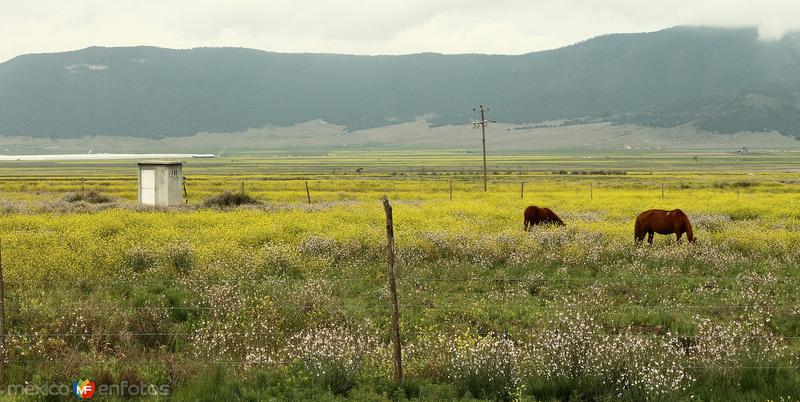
<point x="485" y="367"/>
<point x="336" y="357"/>
<point x="181" y="257"/>
<point x="576" y="354"/>
<point x="139" y="259"/>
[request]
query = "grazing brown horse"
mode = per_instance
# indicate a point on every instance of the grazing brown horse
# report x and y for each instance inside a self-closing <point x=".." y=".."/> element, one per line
<point x="536" y="216"/>
<point x="663" y="222"/>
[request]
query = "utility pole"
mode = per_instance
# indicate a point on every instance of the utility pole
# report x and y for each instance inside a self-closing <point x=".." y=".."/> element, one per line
<point x="482" y="123"/>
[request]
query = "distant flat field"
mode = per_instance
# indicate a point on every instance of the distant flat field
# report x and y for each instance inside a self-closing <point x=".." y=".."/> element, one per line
<point x="280" y="176"/>
<point x="419" y="135"/>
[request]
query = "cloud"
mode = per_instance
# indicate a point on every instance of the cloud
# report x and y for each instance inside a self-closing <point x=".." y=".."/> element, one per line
<point x="364" y="27"/>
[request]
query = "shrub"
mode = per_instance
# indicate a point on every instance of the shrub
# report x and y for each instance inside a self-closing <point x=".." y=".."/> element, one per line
<point x="742" y="214"/>
<point x="229" y="199"/>
<point x="91" y="197"/>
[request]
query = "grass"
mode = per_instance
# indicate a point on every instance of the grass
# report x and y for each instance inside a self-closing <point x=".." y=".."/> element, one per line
<point x="288" y="300"/>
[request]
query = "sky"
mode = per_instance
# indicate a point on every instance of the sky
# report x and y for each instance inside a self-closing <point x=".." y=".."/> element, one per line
<point x="365" y="27"/>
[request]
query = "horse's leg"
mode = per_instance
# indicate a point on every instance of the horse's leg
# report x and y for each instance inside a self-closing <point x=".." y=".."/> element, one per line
<point x="650" y="237"/>
<point x="678" y="237"/>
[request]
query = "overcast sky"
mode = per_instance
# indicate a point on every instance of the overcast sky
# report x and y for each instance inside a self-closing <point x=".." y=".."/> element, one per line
<point x="364" y="27"/>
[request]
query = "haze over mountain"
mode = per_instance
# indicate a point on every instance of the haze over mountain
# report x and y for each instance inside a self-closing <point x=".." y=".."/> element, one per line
<point x="719" y="80"/>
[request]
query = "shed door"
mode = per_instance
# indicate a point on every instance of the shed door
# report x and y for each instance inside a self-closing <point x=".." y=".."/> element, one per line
<point x="148" y="187"/>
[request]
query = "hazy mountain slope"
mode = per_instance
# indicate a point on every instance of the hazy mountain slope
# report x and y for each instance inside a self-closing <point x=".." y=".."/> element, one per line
<point x="723" y="80"/>
<point x="315" y="136"/>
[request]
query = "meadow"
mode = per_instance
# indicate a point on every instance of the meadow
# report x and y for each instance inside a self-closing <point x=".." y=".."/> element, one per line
<point x="287" y="299"/>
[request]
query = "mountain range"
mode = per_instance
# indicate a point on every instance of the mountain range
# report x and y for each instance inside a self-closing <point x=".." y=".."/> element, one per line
<point x="722" y="80"/>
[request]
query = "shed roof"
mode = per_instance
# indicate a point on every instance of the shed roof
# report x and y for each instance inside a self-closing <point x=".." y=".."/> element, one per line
<point x="166" y="163"/>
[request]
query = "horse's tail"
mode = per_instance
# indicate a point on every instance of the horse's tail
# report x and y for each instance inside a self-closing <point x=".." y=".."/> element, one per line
<point x="687" y="225"/>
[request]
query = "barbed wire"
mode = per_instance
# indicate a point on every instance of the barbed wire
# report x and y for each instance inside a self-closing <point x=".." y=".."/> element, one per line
<point x="249" y="281"/>
<point x="641" y="178"/>
<point x="404" y="331"/>
<point x="268" y="363"/>
<point x="430" y="306"/>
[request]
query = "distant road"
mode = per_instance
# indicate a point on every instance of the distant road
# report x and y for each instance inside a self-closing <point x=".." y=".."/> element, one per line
<point x="85" y="157"/>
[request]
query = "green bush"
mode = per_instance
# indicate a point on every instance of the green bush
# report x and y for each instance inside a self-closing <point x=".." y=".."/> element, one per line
<point x="91" y="197"/>
<point x="229" y="199"/>
<point x="743" y="214"/>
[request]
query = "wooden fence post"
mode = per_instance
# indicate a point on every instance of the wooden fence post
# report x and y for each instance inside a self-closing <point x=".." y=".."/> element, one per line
<point x="451" y="190"/>
<point x="591" y="191"/>
<point x="522" y="191"/>
<point x="397" y="356"/>
<point x="308" y="193"/>
<point x="185" y="193"/>
<point x="662" y="191"/>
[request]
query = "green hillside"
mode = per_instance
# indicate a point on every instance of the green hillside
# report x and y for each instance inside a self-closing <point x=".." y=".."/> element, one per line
<point x="720" y="80"/>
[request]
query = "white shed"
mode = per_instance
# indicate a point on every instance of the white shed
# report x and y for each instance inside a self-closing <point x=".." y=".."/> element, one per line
<point x="160" y="182"/>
